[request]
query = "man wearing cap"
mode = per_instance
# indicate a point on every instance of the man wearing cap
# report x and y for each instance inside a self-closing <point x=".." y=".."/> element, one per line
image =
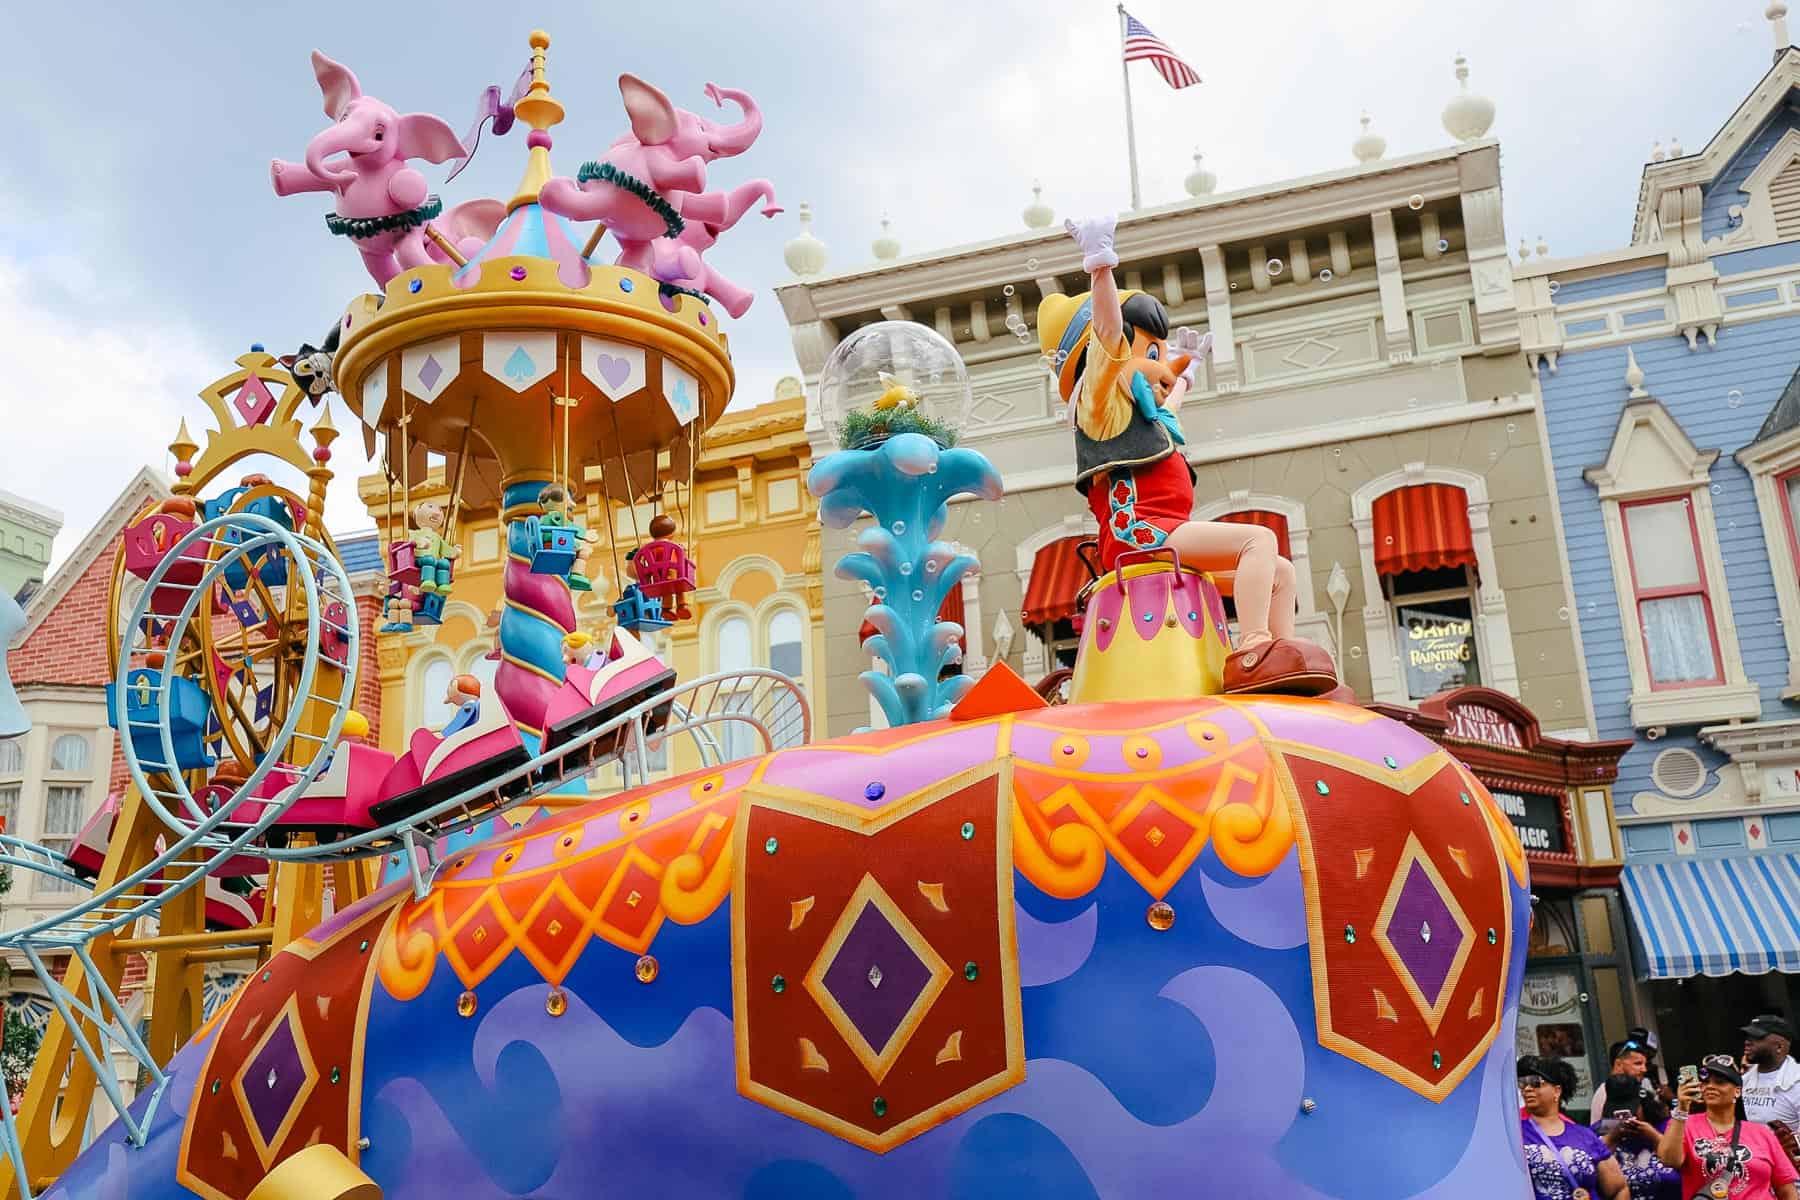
<point x="1628" y="1058"/>
<point x="1772" y="1083"/>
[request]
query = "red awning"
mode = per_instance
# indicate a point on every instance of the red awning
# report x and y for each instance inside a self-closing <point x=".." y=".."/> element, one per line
<point x="1274" y="522"/>
<point x="1057" y="574"/>
<point x="1423" y="528"/>
<point x="950" y="610"/>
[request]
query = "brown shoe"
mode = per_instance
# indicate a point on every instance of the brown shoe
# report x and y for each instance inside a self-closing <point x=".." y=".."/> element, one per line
<point x="1288" y="666"/>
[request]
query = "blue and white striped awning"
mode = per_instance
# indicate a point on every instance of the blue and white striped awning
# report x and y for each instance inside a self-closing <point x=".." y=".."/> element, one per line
<point x="1716" y="916"/>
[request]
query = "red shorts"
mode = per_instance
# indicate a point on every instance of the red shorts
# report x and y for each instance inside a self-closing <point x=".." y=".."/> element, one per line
<point x="1137" y="510"/>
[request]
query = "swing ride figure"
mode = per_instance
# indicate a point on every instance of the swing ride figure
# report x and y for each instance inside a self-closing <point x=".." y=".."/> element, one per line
<point x="817" y="969"/>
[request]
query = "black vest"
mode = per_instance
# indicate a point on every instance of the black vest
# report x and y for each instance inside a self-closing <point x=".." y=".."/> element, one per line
<point x="1142" y="443"/>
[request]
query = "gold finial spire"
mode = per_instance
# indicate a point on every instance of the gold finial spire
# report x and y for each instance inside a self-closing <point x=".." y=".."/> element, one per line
<point x="540" y="110"/>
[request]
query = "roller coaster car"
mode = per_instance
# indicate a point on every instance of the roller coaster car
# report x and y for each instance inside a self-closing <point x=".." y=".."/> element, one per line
<point x="625" y="675"/>
<point x="434" y="768"/>
<point x="338" y="799"/>
<point x="189" y="710"/>
<point x="88" y="850"/>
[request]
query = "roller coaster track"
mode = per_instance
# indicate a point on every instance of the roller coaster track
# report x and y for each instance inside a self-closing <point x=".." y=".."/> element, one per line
<point x="766" y="703"/>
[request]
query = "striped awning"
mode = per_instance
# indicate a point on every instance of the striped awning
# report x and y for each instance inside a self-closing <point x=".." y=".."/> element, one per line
<point x="1422" y="528"/>
<point x="1057" y="575"/>
<point x="1716" y="916"/>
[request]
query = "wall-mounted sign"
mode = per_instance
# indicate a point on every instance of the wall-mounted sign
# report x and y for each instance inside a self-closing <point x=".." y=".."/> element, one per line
<point x="1479" y="723"/>
<point x="1537" y="818"/>
<point x="1439" y="650"/>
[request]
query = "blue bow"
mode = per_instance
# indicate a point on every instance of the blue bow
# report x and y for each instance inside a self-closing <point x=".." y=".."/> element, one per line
<point x="1150" y="410"/>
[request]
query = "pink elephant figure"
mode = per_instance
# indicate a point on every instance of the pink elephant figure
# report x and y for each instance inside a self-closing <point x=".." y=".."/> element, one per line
<point x="678" y="261"/>
<point x="636" y="191"/>
<point x="382" y="204"/>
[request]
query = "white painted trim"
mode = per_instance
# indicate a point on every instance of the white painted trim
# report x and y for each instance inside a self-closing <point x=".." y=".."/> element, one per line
<point x="1298" y="535"/>
<point x="1764" y="461"/>
<point x="1591" y="730"/>
<point x="1759" y="211"/>
<point x="1080" y="524"/>
<point x="1621" y="479"/>
<point x="1493" y="628"/>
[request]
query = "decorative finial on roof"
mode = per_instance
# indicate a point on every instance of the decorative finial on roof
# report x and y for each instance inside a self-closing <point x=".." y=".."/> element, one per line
<point x="1657" y="153"/>
<point x="1200" y="181"/>
<point x="1634" y="376"/>
<point x="1543" y="248"/>
<point x="1369" y="146"/>
<point x="887" y="246"/>
<point x="540" y="110"/>
<point x="1524" y="250"/>
<point x="1037" y="214"/>
<point x="1469" y="115"/>
<point x="1777" y="14"/>
<point x="1674" y="147"/>
<point x="804" y="253"/>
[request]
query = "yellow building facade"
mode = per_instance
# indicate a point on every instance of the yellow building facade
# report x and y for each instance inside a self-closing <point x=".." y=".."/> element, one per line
<point x="749" y="524"/>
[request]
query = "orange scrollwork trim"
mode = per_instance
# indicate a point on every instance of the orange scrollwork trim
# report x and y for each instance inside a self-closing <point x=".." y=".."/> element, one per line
<point x="1066" y="861"/>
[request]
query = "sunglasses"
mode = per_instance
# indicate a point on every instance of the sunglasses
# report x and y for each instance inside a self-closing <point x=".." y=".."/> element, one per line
<point x="1532" y="1081"/>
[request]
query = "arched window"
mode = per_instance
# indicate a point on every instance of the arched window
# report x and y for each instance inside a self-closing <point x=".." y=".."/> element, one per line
<point x="484" y="669"/>
<point x="787" y="643"/>
<point x="69" y="753"/>
<point x="12" y="757"/>
<point x="734" y="646"/>
<point x="12" y="763"/>
<point x="434" y="682"/>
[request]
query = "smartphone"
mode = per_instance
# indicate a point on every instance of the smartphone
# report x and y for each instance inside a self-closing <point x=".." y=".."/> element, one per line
<point x="1622" y="1114"/>
<point x="1689" y="1074"/>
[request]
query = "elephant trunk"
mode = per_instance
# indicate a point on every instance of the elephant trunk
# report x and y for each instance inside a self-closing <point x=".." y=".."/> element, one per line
<point x="734" y="139"/>
<point x="330" y="142"/>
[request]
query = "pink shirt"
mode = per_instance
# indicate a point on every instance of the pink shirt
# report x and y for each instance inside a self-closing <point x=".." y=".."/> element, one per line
<point x="1758" y="1165"/>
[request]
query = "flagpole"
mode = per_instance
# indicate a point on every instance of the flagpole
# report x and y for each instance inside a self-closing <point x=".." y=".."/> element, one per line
<point x="1130" y="126"/>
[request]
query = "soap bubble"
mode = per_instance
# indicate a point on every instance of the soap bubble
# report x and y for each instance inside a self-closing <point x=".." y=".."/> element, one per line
<point x="1325" y="275"/>
<point x="1356" y="652"/>
<point x="1275" y="266"/>
<point x="1512" y="427"/>
<point x="1415" y="202"/>
<point x="1717" y="490"/>
<point x="906" y="567"/>
<point x="881" y="593"/>
<point x="899" y="528"/>
<point x="1389" y="540"/>
<point x="926" y="389"/>
<point x="1555" y="287"/>
<point x="1412" y="402"/>
<point x="931" y="566"/>
<point x="918" y="595"/>
<point x="1234" y="287"/>
<point x="1443" y="245"/>
<point x="1007" y="290"/>
<point x="1734" y="398"/>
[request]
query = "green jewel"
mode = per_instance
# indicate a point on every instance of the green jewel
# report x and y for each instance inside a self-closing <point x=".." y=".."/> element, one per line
<point x="1324" y="789"/>
<point x="779" y="984"/>
<point x="1465" y="797"/>
<point x="1437" y="1061"/>
<point x="364" y="948"/>
<point x="334" y="1075"/>
<point x="1492" y="937"/>
<point x="970" y="971"/>
<point x="1349" y="933"/>
<point x="1389" y="760"/>
<point x="265" y="977"/>
<point x="968" y="830"/>
<point x="880" y="1107"/>
<point x="770" y="846"/>
<point x="215" y="1087"/>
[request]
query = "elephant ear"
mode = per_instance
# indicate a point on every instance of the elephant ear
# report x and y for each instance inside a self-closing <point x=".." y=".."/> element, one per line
<point x="430" y="138"/>
<point x="337" y="83"/>
<point x="652" y="115"/>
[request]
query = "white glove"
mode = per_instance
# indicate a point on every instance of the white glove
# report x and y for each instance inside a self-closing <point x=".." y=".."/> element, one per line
<point x="1188" y="341"/>
<point x="1095" y="237"/>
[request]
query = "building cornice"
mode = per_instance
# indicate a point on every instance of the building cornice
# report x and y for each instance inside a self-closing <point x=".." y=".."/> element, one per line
<point x="32" y="515"/>
<point x="147" y="485"/>
<point x="1230" y="217"/>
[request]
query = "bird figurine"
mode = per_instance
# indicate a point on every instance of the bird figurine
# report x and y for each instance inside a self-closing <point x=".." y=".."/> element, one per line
<point x="897" y="395"/>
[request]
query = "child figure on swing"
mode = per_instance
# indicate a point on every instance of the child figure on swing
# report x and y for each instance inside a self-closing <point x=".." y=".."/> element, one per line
<point x="1124" y="380"/>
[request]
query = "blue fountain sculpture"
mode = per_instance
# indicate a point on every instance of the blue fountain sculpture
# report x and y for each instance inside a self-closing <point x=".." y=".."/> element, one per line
<point x="905" y="483"/>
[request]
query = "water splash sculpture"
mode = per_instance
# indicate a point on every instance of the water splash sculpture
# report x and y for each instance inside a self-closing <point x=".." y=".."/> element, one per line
<point x="906" y="483"/>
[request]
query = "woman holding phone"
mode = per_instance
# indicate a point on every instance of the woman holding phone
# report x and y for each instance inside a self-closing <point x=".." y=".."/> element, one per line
<point x="1720" y="1155"/>
<point x="1632" y="1130"/>
<point x="1566" y="1159"/>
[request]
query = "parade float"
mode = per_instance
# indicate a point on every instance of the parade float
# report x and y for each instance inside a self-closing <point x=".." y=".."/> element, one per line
<point x="1155" y="941"/>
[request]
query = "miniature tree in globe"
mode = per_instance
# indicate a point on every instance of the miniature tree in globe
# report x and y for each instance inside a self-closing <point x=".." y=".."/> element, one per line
<point x="897" y="394"/>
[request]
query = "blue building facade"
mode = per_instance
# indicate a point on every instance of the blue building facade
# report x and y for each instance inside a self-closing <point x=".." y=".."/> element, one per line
<point x="1671" y="401"/>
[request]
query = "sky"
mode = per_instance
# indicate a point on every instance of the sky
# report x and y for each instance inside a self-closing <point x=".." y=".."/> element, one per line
<point x="142" y="247"/>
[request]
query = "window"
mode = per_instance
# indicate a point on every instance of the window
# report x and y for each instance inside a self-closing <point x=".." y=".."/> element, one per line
<point x="12" y="757"/>
<point x="1788" y="488"/>
<point x="9" y="808"/>
<point x="1434" y="626"/>
<point x="783" y="496"/>
<point x="433" y="683"/>
<point x="733" y="641"/>
<point x="1674" y="612"/>
<point x="734" y="650"/>
<point x="63" y="813"/>
<point x="69" y="754"/>
<point x="721" y="506"/>
<point x="786" y="643"/>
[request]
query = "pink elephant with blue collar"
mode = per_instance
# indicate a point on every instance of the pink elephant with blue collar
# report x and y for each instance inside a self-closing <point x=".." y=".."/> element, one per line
<point x="383" y="205"/>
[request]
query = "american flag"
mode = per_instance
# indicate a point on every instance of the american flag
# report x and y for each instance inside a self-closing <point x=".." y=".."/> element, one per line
<point x="1141" y="43"/>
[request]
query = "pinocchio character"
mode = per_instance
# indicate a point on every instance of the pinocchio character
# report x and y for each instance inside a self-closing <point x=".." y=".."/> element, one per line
<point x="1124" y="380"/>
